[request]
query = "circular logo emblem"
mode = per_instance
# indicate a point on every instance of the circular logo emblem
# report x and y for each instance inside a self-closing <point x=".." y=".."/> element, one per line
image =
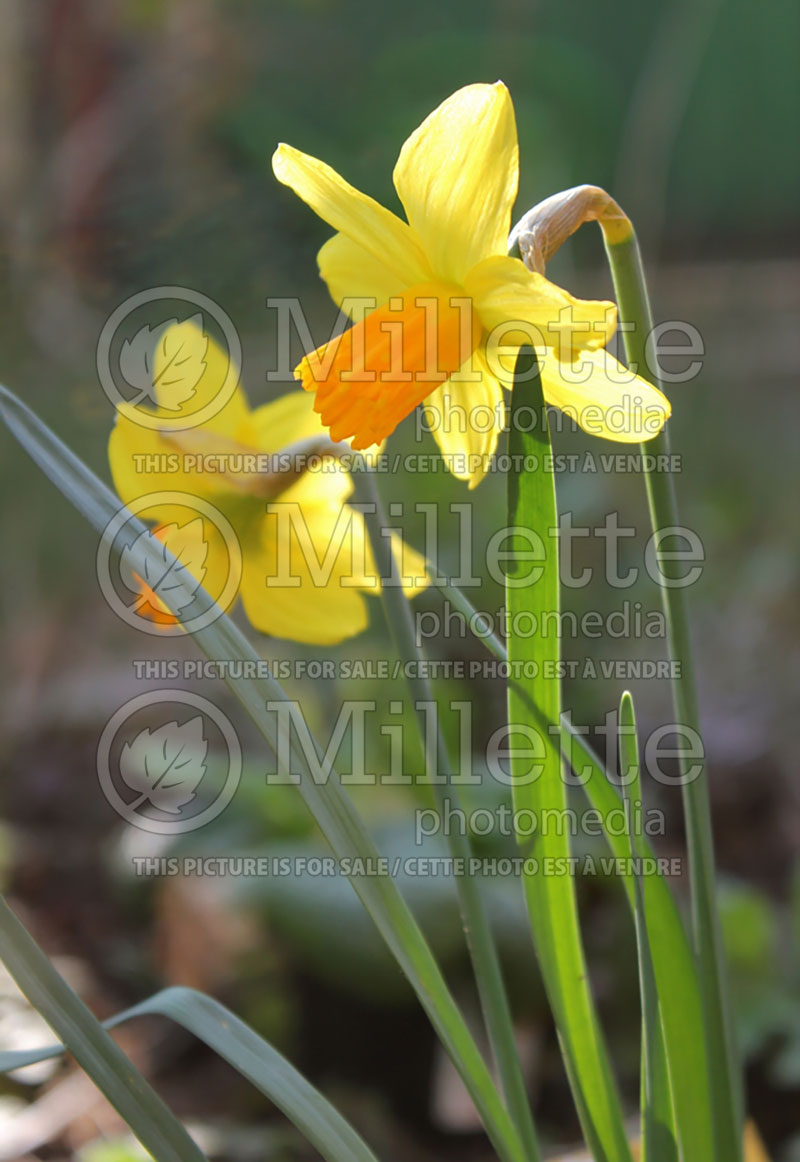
<point x="169" y="761"/>
<point x="171" y="356"/>
<point x="155" y="580"/>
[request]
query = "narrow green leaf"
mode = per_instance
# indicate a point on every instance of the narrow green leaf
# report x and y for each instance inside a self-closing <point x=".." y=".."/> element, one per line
<point x="328" y="802"/>
<point x="673" y="958"/>
<point x="673" y="961"/>
<point x="149" y="1119"/>
<point x="532" y="591"/>
<point x="658" y="1125"/>
<point x="252" y="1056"/>
<point x="472" y="904"/>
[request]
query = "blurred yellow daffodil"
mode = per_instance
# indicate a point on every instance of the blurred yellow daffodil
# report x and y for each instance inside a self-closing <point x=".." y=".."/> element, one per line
<point x="276" y="482"/>
<point x="450" y="308"/>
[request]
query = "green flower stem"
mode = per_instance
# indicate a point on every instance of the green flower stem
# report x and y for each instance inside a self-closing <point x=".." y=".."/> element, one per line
<point x="634" y="309"/>
<point x="477" y="929"/>
<point x="539" y="234"/>
<point x="465" y="607"/>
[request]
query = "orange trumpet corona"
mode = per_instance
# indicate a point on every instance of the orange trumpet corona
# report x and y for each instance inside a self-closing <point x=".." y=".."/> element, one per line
<point x="372" y="376"/>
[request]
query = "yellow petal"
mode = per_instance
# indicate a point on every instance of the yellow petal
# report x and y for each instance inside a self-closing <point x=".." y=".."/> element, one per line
<point x="282" y="422"/>
<point x="352" y="271"/>
<point x="388" y="239"/>
<point x="146" y="467"/>
<point x="412" y="567"/>
<point x="328" y="483"/>
<point x="504" y="291"/>
<point x="195" y="382"/>
<point x="315" y="595"/>
<point x="143" y="461"/>
<point x="286" y="423"/>
<point x="289" y="420"/>
<point x="457" y="178"/>
<point x="466" y="416"/>
<point x="307" y="567"/>
<point x="143" y="458"/>
<point x="604" y="397"/>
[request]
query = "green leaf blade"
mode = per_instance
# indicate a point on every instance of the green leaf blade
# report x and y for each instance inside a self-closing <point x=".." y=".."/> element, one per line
<point x="658" y="1123"/>
<point x="551" y="898"/>
<point x="673" y="961"/>
<point x="251" y="1056"/>
<point x="158" y="1130"/>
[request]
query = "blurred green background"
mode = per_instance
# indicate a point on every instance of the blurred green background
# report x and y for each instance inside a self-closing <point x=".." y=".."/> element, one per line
<point x="135" y="151"/>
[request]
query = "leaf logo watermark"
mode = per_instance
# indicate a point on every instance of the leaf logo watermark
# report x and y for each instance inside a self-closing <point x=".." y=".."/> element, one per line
<point x="166" y="771"/>
<point x="163" y="580"/>
<point x="165" y="363"/>
<point x="145" y="347"/>
<point x="166" y="765"/>
<point x="171" y="575"/>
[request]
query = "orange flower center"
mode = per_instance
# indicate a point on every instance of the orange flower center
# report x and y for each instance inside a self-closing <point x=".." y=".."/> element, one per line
<point x="371" y="377"/>
<point x="149" y="604"/>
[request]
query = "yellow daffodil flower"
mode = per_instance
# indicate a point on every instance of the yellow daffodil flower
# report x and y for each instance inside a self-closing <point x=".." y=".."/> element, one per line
<point x="305" y="559"/>
<point x="450" y="307"/>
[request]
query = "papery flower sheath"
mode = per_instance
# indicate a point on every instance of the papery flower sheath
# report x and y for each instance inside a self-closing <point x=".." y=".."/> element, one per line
<point x="306" y="560"/>
<point x="449" y="306"/>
